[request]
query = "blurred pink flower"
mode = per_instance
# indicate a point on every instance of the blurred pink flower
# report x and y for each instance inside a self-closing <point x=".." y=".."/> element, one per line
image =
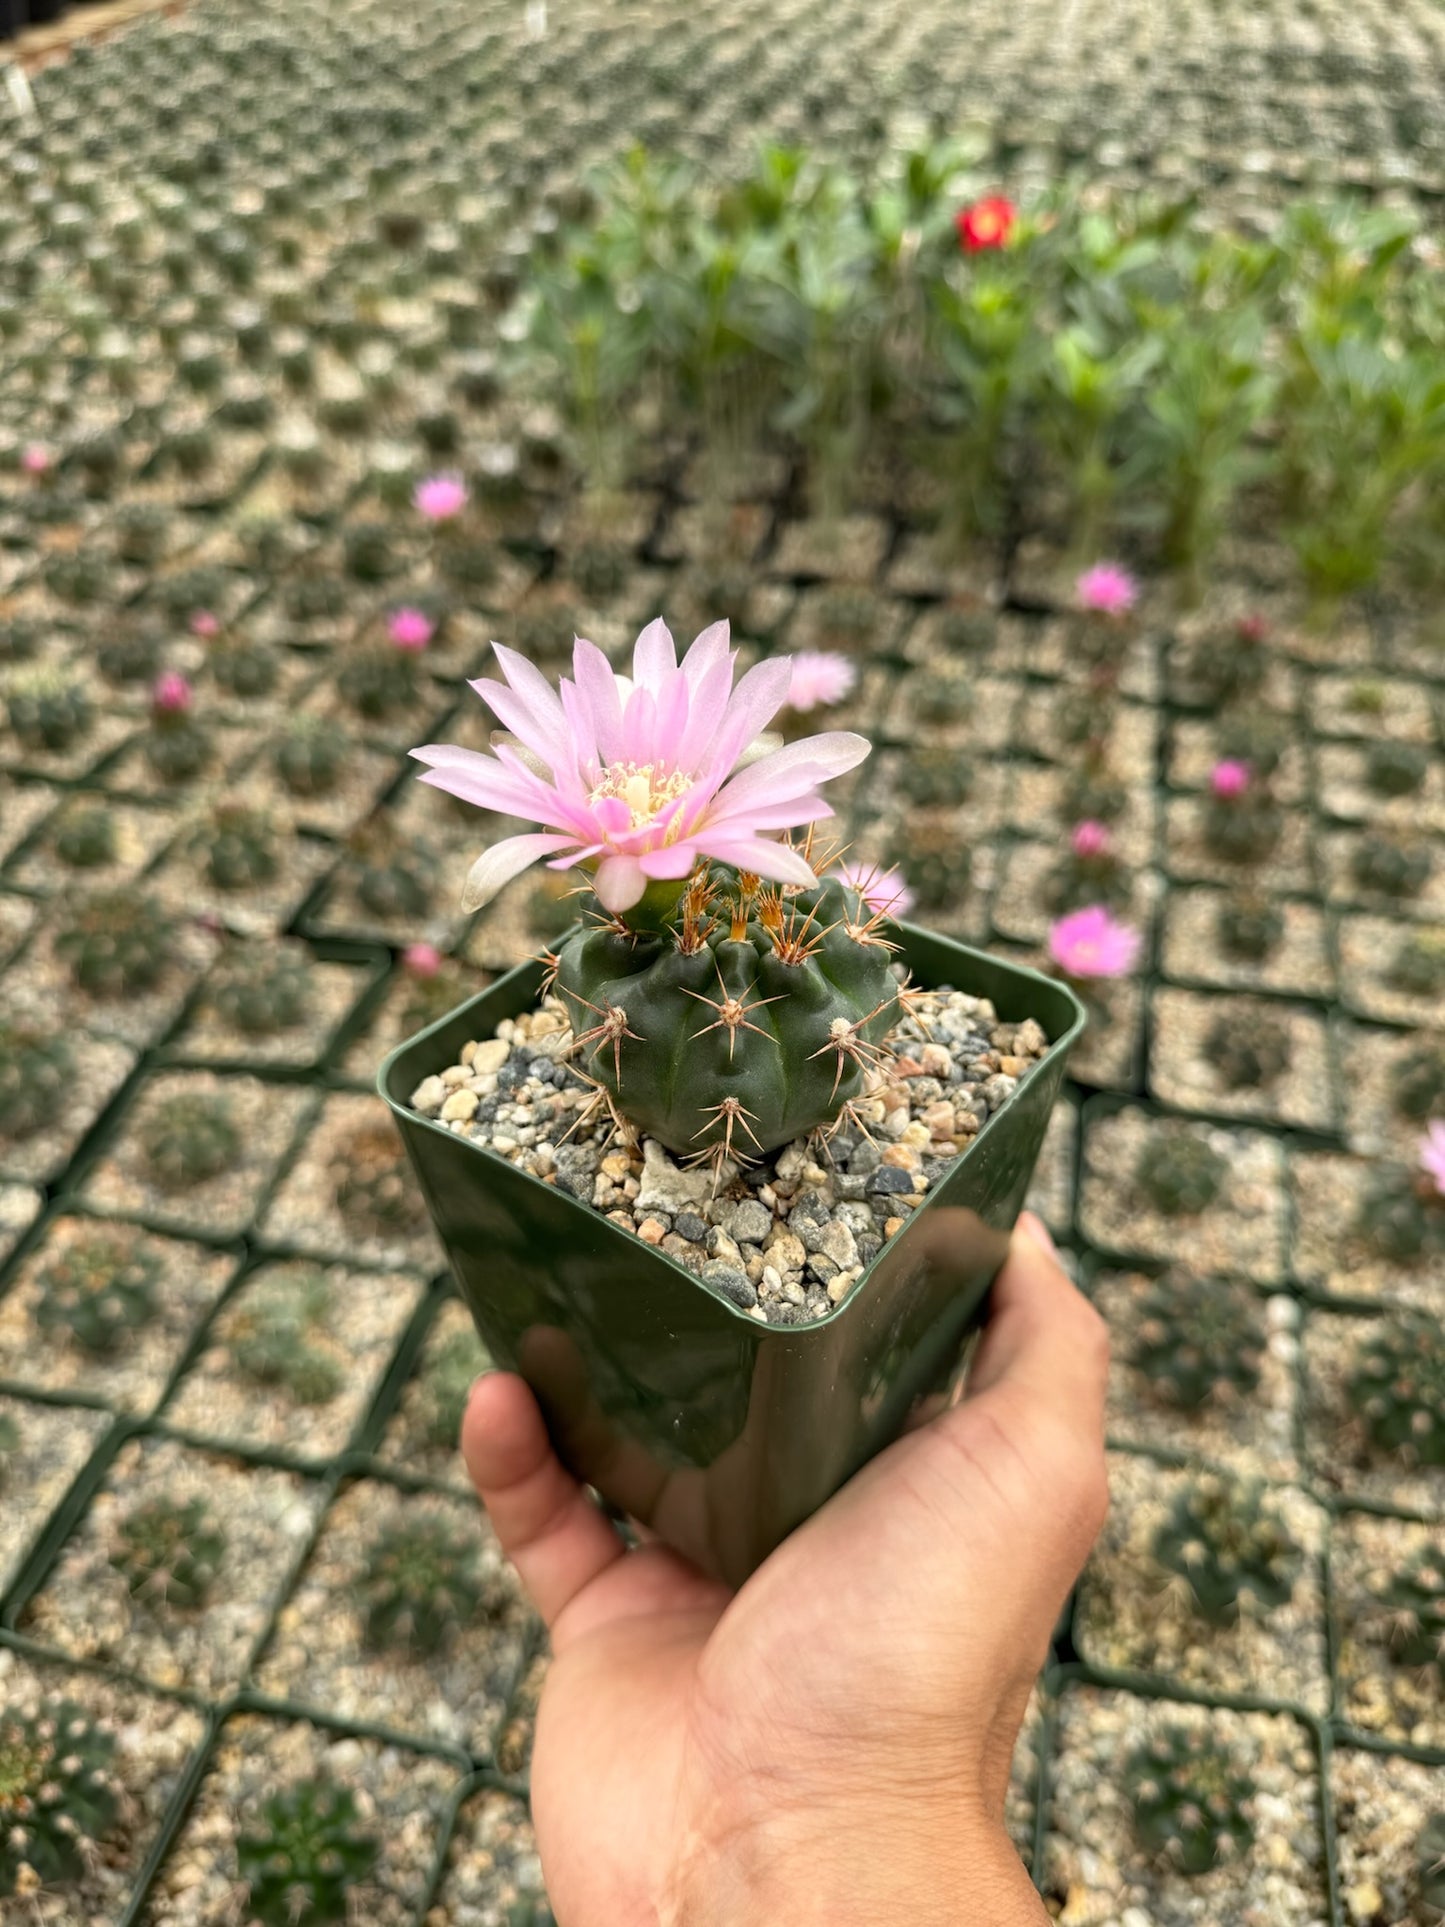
<point x="440" y="497"/>
<point x="1252" y="628"/>
<point x="1090" y="839"/>
<point x="171" y="694"/>
<point x="1432" y="1153"/>
<point x="205" y="623"/>
<point x="1093" y="943"/>
<point x="1107" y="590"/>
<point x="884" y="891"/>
<point x="36" y="459"/>
<point x="821" y="677"/>
<point x="1230" y="778"/>
<point x="636" y="777"/>
<point x="421" y="959"/>
<point x="410" y="628"/>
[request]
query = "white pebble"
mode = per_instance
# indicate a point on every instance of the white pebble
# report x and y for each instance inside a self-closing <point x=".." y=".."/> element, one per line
<point x="490" y="1055"/>
<point x="460" y="1107"/>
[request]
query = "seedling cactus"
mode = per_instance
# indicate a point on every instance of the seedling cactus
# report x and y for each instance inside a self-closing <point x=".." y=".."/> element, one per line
<point x="1408" y="1611"/>
<point x="422" y="1585"/>
<point x="1198" y="1343"/>
<point x="1419" y="1083"/>
<point x="1229" y="1542"/>
<point x="1386" y="867"/>
<point x="59" y="1796"/>
<point x="49" y="710"/>
<point x="117" y="944"/>
<point x="1180" y="1173"/>
<point x="1398" y="1387"/>
<point x="242" y="847"/>
<point x="301" y="1860"/>
<point x="274" y="1333"/>
<point x="1396" y="769"/>
<point x="190" y="1139"/>
<point x="100" y="1289"/>
<point x="446" y="1385"/>
<point x="263" y="990"/>
<point x="373" y="1182"/>
<point x="1396" y="1220"/>
<point x="170" y="1553"/>
<point x="84" y="837"/>
<point x="35" y="1071"/>
<point x="1191" y="1801"/>
<point x="1418" y="966"/>
<point x="1249" y="1051"/>
<point x="1249" y="928"/>
<point x="309" y="756"/>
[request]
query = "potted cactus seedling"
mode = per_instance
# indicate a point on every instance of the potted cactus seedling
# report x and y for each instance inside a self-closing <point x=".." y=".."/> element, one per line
<point x="726" y="1173"/>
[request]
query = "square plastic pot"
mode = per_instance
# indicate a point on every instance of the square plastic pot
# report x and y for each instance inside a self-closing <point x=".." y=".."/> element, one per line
<point x="717" y="1431"/>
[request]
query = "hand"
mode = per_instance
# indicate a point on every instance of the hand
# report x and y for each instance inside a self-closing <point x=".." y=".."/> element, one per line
<point x="831" y="1743"/>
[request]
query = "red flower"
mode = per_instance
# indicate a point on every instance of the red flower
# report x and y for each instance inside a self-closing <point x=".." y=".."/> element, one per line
<point x="986" y="224"/>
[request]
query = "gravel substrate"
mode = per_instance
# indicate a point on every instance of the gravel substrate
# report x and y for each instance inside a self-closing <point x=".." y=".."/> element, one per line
<point x="19" y="1207"/>
<point x="265" y="1116"/>
<point x="1345" y="791"/>
<point x="334" y="989"/>
<point x="1329" y="1256"/>
<point x="1051" y="1193"/>
<point x="788" y="1237"/>
<point x="86" y="1608"/>
<point x="1252" y="1432"/>
<point x="22" y="806"/>
<point x="319" y="1657"/>
<point x="1182" y="1075"/>
<point x="400" y="1797"/>
<point x="140" y="835"/>
<point x="56" y="1441"/>
<point x="421" y="1434"/>
<point x="1381" y="1806"/>
<point x="513" y="1751"/>
<point x="100" y="1066"/>
<point x="1096" y="1875"/>
<point x="492" y="1866"/>
<point x="367" y="1313"/>
<point x="1111" y="1050"/>
<point x="1288" y="871"/>
<point x="1405" y="712"/>
<point x="261" y="911"/>
<point x="155" y="1740"/>
<point x="132" y="1376"/>
<point x="1394" y="1702"/>
<point x="1338" y="1452"/>
<point x="305" y="1216"/>
<point x="1371" y="1062"/>
<point x="1242" y="1230"/>
<point x="1134" y="1615"/>
<point x="42" y="985"/>
<point x="1192" y="953"/>
<point x="1368" y="947"/>
<point x="1337" y="855"/>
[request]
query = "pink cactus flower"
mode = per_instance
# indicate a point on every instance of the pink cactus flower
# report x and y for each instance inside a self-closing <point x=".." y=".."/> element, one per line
<point x="884" y="891"/>
<point x="205" y="623"/>
<point x="421" y="959"/>
<point x="1432" y="1153"/>
<point x="821" y="677"/>
<point x="171" y="694"/>
<point x="1107" y="590"/>
<point x="1090" y="839"/>
<point x="36" y="459"/>
<point x="1251" y="628"/>
<point x="636" y="777"/>
<point x="440" y="498"/>
<point x="1229" y="779"/>
<point x="1093" y="943"/>
<point x="410" y="628"/>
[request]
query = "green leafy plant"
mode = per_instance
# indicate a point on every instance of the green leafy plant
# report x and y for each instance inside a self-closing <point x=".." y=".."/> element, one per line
<point x="190" y="1138"/>
<point x="170" y="1553"/>
<point x="1180" y="1173"/>
<point x="422" y="1585"/>
<point x="1192" y="1804"/>
<point x="1397" y="1387"/>
<point x="305" y="1855"/>
<point x="273" y="1335"/>
<point x="100" y="1289"/>
<point x="1198" y="1342"/>
<point x="59" y="1795"/>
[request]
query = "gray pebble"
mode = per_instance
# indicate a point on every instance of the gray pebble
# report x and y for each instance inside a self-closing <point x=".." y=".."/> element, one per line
<point x="730" y="1281"/>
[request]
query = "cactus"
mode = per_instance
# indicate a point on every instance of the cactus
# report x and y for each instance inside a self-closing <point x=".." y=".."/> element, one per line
<point x="1366" y="697"/>
<point x="1398" y="1387"/>
<point x="117" y="944"/>
<point x="169" y="1553"/>
<point x="466" y="559"/>
<point x="263" y="990"/>
<point x="84" y="836"/>
<point x="1198" y="1342"/>
<point x="1419" y="1083"/>
<point x="35" y="1073"/>
<point x="1244" y="828"/>
<point x="189" y="1139"/>
<point x="967" y="631"/>
<point x="600" y="570"/>
<point x="941" y="701"/>
<point x="1394" y="1220"/>
<point x="446" y="1385"/>
<point x="1388" y="868"/>
<point x="935" y="778"/>
<point x="743" y="1024"/>
<point x="1418" y="966"/>
<point x="373" y="1183"/>
<point x="1227" y="1538"/>
<point x="1407" y="1611"/>
<point x="1080" y="878"/>
<point x="1249" y="1050"/>
<point x="1191" y="1802"/>
<point x="1093" y="794"/>
<point x="242" y="847"/>
<point x="937" y="864"/>
<point x="378" y="680"/>
<point x="99" y="1289"/>
<point x="1249" y="928"/>
<point x="1225" y="667"/>
<point x="422" y="1584"/>
<point x="245" y="669"/>
<point x="59" y="1796"/>
<point x="49" y="709"/>
<point x="1396" y="769"/>
<point x="300" y="1862"/>
<point x="1180" y="1173"/>
<point x="1430" y="1867"/>
<point x="397" y="876"/>
<point x="142" y="534"/>
<point x="368" y="552"/>
<point x="177" y="746"/>
<point x="129" y="656"/>
<point x="309" y="756"/>
<point x="274" y="1331"/>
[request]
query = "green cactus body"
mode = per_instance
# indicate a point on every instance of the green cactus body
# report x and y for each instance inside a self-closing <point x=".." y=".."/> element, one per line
<point x="1258" y="737"/>
<point x="1198" y="1342"/>
<point x="422" y="1584"/>
<point x="1408" y="1611"/>
<point x="309" y="756"/>
<point x="245" y="669"/>
<point x="84" y="838"/>
<point x="177" y="747"/>
<point x="600" y="570"/>
<point x="378" y="680"/>
<point x="242" y="847"/>
<point x="1430" y="1868"/>
<point x="369" y="553"/>
<point x="1249" y="928"/>
<point x="935" y="778"/>
<point x="35" y="1071"/>
<point x="1249" y="1051"/>
<point x="1078" y="880"/>
<point x="1396" y="769"/>
<point x="1398" y="1387"/>
<point x="117" y="944"/>
<point x="100" y="1289"/>
<point x="1228" y="1540"/>
<point x="1395" y="1220"/>
<point x="170" y="1554"/>
<point x="937" y="864"/>
<point x="396" y="876"/>
<point x="189" y="1140"/>
<point x="467" y="559"/>
<point x="446" y="1385"/>
<point x="1180" y="1173"/>
<point x="1418" y="966"/>
<point x="274" y="1336"/>
<point x="48" y="710"/>
<point x="129" y="656"/>
<point x="1243" y="829"/>
<point x="58" y="1795"/>
<point x="1389" y="868"/>
<point x="1419" y="1083"/>
<point x="1094" y="795"/>
<point x="301" y="1860"/>
<point x="740" y="1033"/>
<point x="264" y="990"/>
<point x="1191" y="1802"/>
<point x="1226" y="667"/>
<point x="942" y="701"/>
<point x="9" y="1445"/>
<point x="1083" y="715"/>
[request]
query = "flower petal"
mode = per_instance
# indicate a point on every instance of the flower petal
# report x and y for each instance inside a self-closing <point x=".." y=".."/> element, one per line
<point x="654" y="655"/>
<point x="752" y="706"/>
<point x="505" y="860"/>
<point x="674" y="860"/>
<point x="775" y="861"/>
<point x="619" y="882"/>
<point x="789" y="772"/>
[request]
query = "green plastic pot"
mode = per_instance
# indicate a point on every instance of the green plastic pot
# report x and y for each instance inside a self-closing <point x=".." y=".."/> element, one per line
<point x="718" y="1432"/>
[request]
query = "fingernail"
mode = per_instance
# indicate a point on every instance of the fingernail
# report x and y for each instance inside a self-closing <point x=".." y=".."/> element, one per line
<point x="1038" y="1231"/>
